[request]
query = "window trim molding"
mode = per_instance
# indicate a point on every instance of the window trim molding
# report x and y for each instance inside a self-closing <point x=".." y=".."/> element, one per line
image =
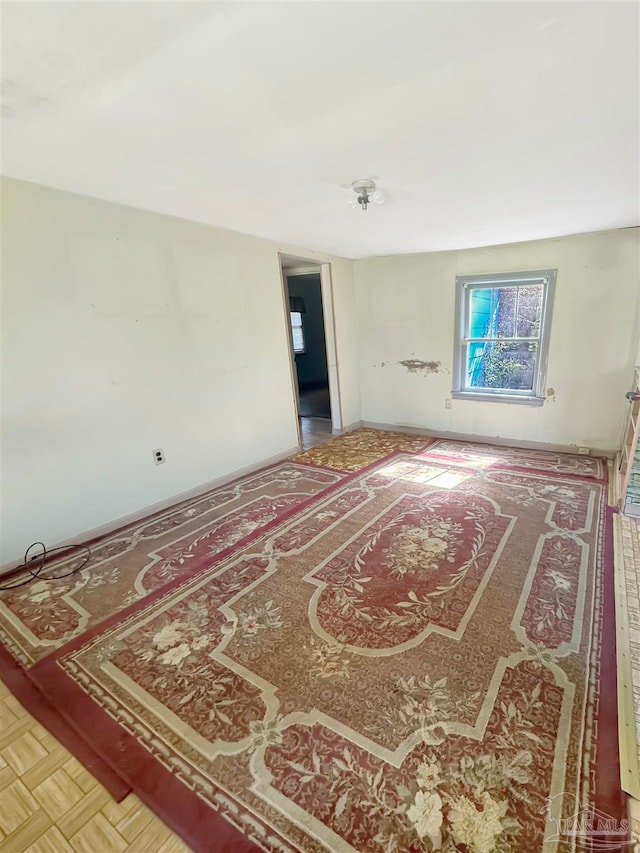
<point x="477" y="280"/>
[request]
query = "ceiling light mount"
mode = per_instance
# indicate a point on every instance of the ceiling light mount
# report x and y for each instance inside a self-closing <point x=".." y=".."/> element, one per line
<point x="366" y="191"/>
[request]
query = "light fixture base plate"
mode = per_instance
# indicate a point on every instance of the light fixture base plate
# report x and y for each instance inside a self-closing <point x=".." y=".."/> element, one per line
<point x="366" y="185"/>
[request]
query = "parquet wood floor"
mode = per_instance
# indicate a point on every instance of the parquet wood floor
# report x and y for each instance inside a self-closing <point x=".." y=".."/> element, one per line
<point x="50" y="804"/>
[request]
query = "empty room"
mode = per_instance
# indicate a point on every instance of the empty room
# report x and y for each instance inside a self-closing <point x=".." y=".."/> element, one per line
<point x="320" y="418"/>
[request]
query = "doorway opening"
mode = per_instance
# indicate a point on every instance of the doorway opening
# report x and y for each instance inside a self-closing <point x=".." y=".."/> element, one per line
<point x="309" y="309"/>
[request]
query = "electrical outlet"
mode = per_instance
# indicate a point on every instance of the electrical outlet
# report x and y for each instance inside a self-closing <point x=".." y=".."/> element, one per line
<point x="158" y="456"/>
<point x="583" y="451"/>
<point x="447" y="403"/>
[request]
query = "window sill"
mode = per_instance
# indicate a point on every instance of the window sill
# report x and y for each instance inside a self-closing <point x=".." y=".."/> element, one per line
<point x="497" y="398"/>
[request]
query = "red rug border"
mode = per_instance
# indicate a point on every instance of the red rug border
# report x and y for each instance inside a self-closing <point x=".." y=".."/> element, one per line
<point x="44" y="711"/>
<point x="608" y="795"/>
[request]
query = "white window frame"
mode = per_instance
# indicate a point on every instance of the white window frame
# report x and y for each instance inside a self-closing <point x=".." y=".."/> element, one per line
<point x="464" y="285"/>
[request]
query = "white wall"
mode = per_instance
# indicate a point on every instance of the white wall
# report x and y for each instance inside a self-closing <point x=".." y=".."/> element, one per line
<point x="346" y="321"/>
<point x="406" y="310"/>
<point x="124" y="331"/>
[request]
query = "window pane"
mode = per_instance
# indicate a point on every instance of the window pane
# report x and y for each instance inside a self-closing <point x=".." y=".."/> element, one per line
<point x="505" y="312"/>
<point x="529" y="311"/>
<point x="480" y="312"/>
<point x="296" y="331"/>
<point x="298" y="339"/>
<point x="508" y="365"/>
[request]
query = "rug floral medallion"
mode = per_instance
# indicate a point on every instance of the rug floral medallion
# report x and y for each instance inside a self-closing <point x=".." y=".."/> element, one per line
<point x="406" y="665"/>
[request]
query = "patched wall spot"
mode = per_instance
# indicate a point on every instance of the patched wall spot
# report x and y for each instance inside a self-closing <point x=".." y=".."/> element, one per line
<point x="416" y="365"/>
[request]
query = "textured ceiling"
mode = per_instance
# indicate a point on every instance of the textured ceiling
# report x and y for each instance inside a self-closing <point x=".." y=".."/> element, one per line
<point x="483" y="122"/>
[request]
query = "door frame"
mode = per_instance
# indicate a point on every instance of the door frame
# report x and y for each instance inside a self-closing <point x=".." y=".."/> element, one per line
<point x="308" y="266"/>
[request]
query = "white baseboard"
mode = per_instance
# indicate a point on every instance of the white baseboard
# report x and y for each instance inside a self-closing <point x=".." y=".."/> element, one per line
<point x="485" y="439"/>
<point x="138" y="515"/>
<point x="351" y="427"/>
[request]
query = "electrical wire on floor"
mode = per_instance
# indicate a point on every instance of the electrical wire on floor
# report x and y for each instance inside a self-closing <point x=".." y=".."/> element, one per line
<point x="36" y="573"/>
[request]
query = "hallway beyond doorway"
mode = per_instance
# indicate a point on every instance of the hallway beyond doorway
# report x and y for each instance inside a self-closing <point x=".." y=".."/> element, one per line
<point x="314" y="402"/>
<point x="314" y="431"/>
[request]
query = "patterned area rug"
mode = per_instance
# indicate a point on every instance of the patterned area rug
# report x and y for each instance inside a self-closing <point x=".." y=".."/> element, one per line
<point x="491" y="456"/>
<point x="143" y="558"/>
<point x="408" y="663"/>
<point x="354" y="450"/>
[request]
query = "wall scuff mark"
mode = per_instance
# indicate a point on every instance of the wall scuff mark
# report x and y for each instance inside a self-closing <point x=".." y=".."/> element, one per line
<point x="416" y="365"/>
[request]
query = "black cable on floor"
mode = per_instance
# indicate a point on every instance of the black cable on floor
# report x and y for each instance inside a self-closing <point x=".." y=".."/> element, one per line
<point x="35" y="573"/>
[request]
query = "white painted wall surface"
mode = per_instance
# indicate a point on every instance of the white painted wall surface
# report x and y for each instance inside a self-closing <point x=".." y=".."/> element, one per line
<point x="406" y="310"/>
<point x="125" y="331"/>
<point x="346" y="321"/>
